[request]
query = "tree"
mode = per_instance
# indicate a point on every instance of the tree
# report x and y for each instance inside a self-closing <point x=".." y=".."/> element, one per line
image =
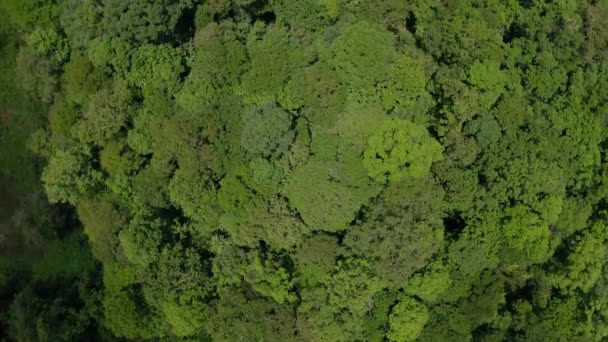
<point x="102" y="222"/>
<point x="149" y="186"/>
<point x="143" y="21"/>
<point x="430" y="284"/>
<point x="596" y="35"/>
<point x="106" y="115"/>
<point x="407" y="320"/>
<point x="401" y="232"/>
<point x="234" y="317"/>
<point x="179" y="288"/>
<point x="68" y="177"/>
<point x="50" y="45"/>
<point x="62" y="116"/>
<point x="324" y="204"/>
<point x="37" y="76"/>
<point x="320" y="93"/>
<point x="273" y="222"/>
<point x="31" y="13"/>
<point x="363" y="54"/>
<point x="316" y="258"/>
<point x="270" y="281"/>
<point x="126" y="316"/>
<point x="274" y="56"/>
<point x="525" y="232"/>
<point x="219" y="60"/>
<point x="583" y="265"/>
<point x="266" y="130"/>
<point x="400" y="149"/>
<point x="80" y="21"/>
<point x="156" y="68"/>
<point x="34" y="316"/>
<point x="303" y="18"/>
<point x="489" y="79"/>
<point x="141" y="241"/>
<point x="335" y="309"/>
<point x="560" y="320"/>
<point x="283" y="170"/>
<point x="404" y="92"/>
<point x="80" y="79"/>
<point x="120" y="163"/>
<point x="195" y="193"/>
<point x="357" y="123"/>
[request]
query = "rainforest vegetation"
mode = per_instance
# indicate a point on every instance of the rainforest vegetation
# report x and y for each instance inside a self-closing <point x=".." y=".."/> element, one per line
<point x="304" y="170"/>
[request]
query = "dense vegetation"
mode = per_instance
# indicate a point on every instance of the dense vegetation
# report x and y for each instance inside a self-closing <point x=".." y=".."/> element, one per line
<point x="304" y="170"/>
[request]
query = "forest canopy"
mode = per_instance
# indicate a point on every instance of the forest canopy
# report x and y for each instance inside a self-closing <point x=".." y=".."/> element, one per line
<point x="304" y="170"/>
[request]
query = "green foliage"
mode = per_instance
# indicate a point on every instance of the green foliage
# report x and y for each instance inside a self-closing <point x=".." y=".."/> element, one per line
<point x="235" y="317"/>
<point x="49" y="44"/>
<point x="67" y="257"/>
<point x="37" y="75"/>
<point x="431" y="284"/>
<point x="273" y="283"/>
<point x="274" y="57"/>
<point x="179" y="289"/>
<point x="282" y="170"/>
<point x="403" y="230"/>
<point x="407" y="320"/>
<point x="125" y="316"/>
<point x="142" y="21"/>
<point x="141" y="240"/>
<point x="219" y="59"/>
<point x="29" y="14"/>
<point x="400" y="149"/>
<point x="102" y="222"/>
<point x="36" y="318"/>
<point x="110" y="54"/>
<point x="335" y="308"/>
<point x="596" y="35"/>
<point x="68" y="178"/>
<point x="105" y="115"/>
<point x="324" y="204"/>
<point x="322" y="95"/>
<point x="583" y="267"/>
<point x="80" y="79"/>
<point x="19" y="165"/>
<point x="183" y="321"/>
<point x="489" y="79"/>
<point x="156" y="68"/>
<point x="404" y="91"/>
<point x="362" y="54"/>
<point x="315" y="258"/>
<point x="118" y="275"/>
<point x="526" y="233"/>
<point x="266" y="130"/>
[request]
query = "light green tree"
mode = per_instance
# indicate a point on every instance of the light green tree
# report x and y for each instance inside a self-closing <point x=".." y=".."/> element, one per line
<point x="407" y="319"/>
<point x="400" y="149"/>
<point x="68" y="176"/>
